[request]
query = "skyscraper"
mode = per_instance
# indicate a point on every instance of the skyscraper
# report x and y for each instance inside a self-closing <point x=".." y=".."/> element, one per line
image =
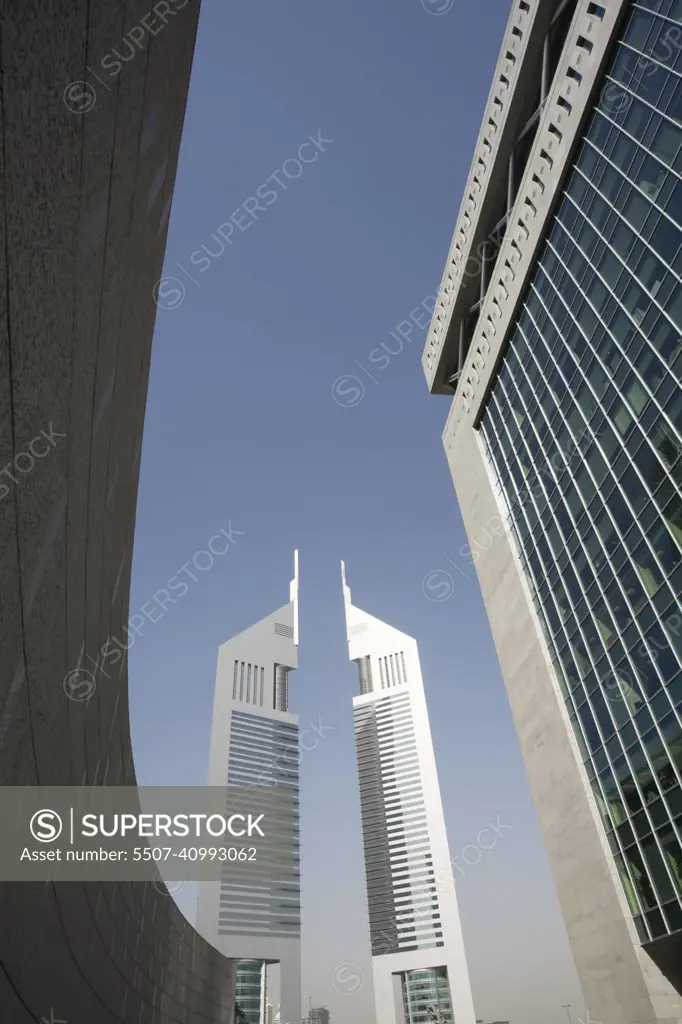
<point x="317" y="1015"/>
<point x="254" y="742"/>
<point x="251" y="991"/>
<point x="418" y="959"/>
<point x="557" y="330"/>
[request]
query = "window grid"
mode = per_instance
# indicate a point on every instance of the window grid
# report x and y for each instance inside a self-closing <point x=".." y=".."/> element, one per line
<point x="593" y="368"/>
<point x="647" y="440"/>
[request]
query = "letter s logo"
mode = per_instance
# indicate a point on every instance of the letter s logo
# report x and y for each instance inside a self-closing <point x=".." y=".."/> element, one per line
<point x="169" y="292"/>
<point x="46" y="826"/>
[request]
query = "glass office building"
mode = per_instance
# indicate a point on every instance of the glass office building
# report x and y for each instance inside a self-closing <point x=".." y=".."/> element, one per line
<point x="250" y="994"/>
<point x="563" y="351"/>
<point x="583" y="432"/>
<point x="426" y="996"/>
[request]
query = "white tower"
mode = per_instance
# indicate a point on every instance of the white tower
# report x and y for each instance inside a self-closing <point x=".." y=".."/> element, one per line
<point x="254" y="741"/>
<point x="418" y="960"/>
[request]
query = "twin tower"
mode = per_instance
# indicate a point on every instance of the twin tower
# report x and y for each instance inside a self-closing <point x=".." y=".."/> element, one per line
<point x="418" y="961"/>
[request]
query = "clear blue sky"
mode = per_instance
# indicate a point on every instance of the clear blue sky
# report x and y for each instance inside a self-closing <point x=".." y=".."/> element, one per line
<point x="242" y="426"/>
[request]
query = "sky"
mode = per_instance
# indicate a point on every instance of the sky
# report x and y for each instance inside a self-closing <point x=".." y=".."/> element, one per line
<point x="275" y="412"/>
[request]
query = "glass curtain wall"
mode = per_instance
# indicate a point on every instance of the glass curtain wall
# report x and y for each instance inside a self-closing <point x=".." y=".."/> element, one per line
<point x="583" y="437"/>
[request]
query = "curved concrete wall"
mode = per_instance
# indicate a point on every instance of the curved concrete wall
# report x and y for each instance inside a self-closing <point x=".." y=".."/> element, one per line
<point x="86" y="176"/>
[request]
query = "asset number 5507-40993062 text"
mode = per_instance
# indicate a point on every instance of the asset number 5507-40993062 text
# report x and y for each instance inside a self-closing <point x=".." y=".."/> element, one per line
<point x="225" y="853"/>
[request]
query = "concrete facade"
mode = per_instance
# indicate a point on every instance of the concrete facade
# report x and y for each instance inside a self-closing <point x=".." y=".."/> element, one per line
<point x="86" y="200"/>
<point x="254" y="741"/>
<point x="413" y="911"/>
<point x="621" y="982"/>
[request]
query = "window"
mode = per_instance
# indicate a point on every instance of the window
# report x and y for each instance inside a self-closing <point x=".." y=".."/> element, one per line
<point x="601" y="542"/>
